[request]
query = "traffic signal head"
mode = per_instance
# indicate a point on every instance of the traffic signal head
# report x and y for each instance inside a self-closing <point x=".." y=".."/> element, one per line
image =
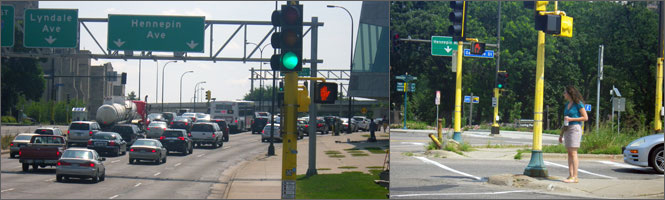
<point x="566" y="27"/>
<point x="538" y="5"/>
<point x="557" y="25"/>
<point x="457" y="18"/>
<point x="502" y="80"/>
<point x="123" y="79"/>
<point x="289" y="39"/>
<point x="281" y="86"/>
<point x="208" y="95"/>
<point x="326" y="93"/>
<point x="477" y="48"/>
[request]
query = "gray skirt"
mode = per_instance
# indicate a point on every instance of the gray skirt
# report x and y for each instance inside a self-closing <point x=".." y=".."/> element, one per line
<point x="573" y="136"/>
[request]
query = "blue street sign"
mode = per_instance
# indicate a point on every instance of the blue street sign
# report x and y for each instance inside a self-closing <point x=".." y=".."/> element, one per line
<point x="467" y="99"/>
<point x="587" y="107"/>
<point x="486" y="54"/>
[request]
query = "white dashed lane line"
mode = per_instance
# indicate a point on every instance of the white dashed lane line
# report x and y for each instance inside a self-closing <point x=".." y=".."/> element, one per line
<point x="114" y="196"/>
<point x="7" y="190"/>
<point x="49" y="180"/>
<point x="115" y="161"/>
<point x="457" y="194"/>
<point x="580" y="170"/>
<point x="137" y="184"/>
<point x="201" y="155"/>
<point x="447" y="168"/>
<point x="178" y="164"/>
<point x="158" y="173"/>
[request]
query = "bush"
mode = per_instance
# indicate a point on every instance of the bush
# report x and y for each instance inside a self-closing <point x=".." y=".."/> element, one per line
<point x="5" y="140"/>
<point x="8" y="119"/>
<point x="605" y="141"/>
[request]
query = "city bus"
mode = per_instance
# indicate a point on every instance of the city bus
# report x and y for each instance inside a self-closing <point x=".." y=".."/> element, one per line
<point x="238" y="114"/>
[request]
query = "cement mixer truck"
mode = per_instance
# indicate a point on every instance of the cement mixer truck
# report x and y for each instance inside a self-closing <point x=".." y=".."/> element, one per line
<point x="117" y="110"/>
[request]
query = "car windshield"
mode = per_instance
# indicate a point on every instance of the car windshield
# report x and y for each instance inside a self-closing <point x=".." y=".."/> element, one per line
<point x="202" y="128"/>
<point x="79" y="126"/>
<point x="145" y="143"/>
<point x="172" y="134"/>
<point x="23" y="137"/>
<point x="103" y="136"/>
<point x="48" y="140"/>
<point x="80" y="154"/>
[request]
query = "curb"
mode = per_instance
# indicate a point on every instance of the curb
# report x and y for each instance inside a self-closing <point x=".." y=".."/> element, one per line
<point x="523" y="181"/>
<point x="585" y="156"/>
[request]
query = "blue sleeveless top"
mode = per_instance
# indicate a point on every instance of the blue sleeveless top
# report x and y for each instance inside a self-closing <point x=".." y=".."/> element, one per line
<point x="573" y="112"/>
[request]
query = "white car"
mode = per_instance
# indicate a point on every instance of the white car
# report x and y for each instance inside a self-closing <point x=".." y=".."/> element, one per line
<point x="646" y="152"/>
<point x="363" y="122"/>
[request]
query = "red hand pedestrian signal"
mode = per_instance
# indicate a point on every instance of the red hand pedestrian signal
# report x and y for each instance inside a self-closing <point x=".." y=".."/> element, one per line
<point x="326" y="93"/>
<point x="478" y="48"/>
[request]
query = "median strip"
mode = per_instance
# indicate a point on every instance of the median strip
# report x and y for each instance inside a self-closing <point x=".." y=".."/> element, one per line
<point x="447" y="168"/>
<point x="580" y="170"/>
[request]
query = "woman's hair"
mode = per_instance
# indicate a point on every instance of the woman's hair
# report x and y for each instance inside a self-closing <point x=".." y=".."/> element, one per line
<point x="574" y="94"/>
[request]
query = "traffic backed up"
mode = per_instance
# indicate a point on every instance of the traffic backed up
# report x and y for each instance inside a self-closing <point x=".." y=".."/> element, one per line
<point x="42" y="151"/>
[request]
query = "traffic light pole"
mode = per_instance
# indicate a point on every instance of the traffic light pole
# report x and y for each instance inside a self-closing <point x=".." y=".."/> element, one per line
<point x="457" y="135"/>
<point x="311" y="170"/>
<point x="495" y="125"/>
<point x="536" y="167"/>
<point x="290" y="147"/>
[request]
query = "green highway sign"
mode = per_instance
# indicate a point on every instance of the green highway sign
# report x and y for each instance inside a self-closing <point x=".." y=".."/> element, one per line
<point x="155" y="33"/>
<point x="443" y="46"/>
<point x="51" y="28"/>
<point x="7" y="27"/>
<point x="305" y="72"/>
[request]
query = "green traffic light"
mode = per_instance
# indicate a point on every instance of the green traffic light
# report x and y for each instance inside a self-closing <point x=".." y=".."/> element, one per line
<point x="290" y="60"/>
<point x="500" y="86"/>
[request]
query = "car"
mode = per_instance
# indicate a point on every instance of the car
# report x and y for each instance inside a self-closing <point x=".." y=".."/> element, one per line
<point x="147" y="149"/>
<point x="156" y="117"/>
<point x="155" y="129"/>
<point x="108" y="142"/>
<point x="49" y="131"/>
<point x="303" y="127"/>
<point x="19" y="141"/>
<point x="202" y="117"/>
<point x="321" y="125"/>
<point x="168" y="116"/>
<point x="363" y="122"/>
<point x="80" y="132"/>
<point x="129" y="132"/>
<point x="207" y="133"/>
<point x="177" y="140"/>
<point x="80" y="163"/>
<point x="42" y="151"/>
<point x="265" y="133"/>
<point x="260" y="120"/>
<point x="181" y="123"/>
<point x="224" y="126"/>
<point x="646" y="151"/>
<point x="345" y="124"/>
<point x="192" y="116"/>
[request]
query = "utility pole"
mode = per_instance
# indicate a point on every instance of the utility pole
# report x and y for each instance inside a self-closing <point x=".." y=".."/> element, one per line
<point x="600" y="77"/>
<point x="495" y="126"/>
<point x="311" y="170"/>
<point x="457" y="135"/>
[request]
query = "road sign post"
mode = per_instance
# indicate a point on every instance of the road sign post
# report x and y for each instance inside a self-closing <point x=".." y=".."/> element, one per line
<point x="51" y="28"/>
<point x="155" y="33"/>
<point x="437" y="101"/>
<point x="443" y="46"/>
<point x="7" y="26"/>
<point x="406" y="89"/>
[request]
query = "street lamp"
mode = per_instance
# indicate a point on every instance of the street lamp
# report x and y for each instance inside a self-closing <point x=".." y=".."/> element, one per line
<point x="163" y="81"/>
<point x="183" y="74"/>
<point x="261" y="70"/>
<point x="350" y="62"/>
<point x="195" y="89"/>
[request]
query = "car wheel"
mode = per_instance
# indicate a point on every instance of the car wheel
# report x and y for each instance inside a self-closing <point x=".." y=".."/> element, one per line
<point x="35" y="167"/>
<point x="657" y="160"/>
<point x="116" y="153"/>
<point x="58" y="178"/>
<point x="164" y="160"/>
<point x="95" y="178"/>
<point x="26" y="167"/>
<point x="131" y="161"/>
<point x="103" y="177"/>
<point x="12" y="155"/>
<point x="157" y="161"/>
<point x="191" y="150"/>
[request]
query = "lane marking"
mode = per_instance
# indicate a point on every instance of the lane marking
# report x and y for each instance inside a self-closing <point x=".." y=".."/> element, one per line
<point x="137" y="184"/>
<point x="115" y="161"/>
<point x="177" y="164"/>
<point x="49" y="180"/>
<point x="449" y="194"/>
<point x="413" y="143"/>
<point x="447" y="168"/>
<point x="201" y="155"/>
<point x="621" y="165"/>
<point x="113" y="197"/>
<point x="10" y="189"/>
<point x="158" y="173"/>
<point x="580" y="170"/>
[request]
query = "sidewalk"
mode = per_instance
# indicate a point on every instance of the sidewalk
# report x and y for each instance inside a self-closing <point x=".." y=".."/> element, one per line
<point x="261" y="178"/>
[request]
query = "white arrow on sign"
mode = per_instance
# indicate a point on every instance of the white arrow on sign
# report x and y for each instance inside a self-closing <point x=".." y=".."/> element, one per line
<point x="192" y="44"/>
<point x="50" y="39"/>
<point x="448" y="49"/>
<point x="119" y="42"/>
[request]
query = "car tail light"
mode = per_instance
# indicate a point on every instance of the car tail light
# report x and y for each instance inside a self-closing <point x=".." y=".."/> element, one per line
<point x="19" y="153"/>
<point x="171" y="123"/>
<point x="185" y="123"/>
<point x="154" y="151"/>
<point x="57" y="153"/>
<point x="112" y="143"/>
<point x="181" y="138"/>
<point x="161" y="138"/>
<point x="213" y="134"/>
<point x="87" y="165"/>
<point x="90" y="133"/>
<point x="89" y="142"/>
<point x="131" y="149"/>
<point x="306" y="126"/>
<point x="148" y="128"/>
<point x="189" y="134"/>
<point x="164" y="128"/>
<point x="263" y="132"/>
<point x="236" y="121"/>
<point x="633" y="151"/>
<point x="11" y="144"/>
<point x="61" y="163"/>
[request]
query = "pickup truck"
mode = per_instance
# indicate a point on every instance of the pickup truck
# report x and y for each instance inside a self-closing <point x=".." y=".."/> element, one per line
<point x="42" y="150"/>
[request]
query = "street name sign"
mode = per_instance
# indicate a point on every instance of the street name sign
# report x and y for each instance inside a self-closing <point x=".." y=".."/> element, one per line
<point x="7" y="27"/>
<point x="437" y="99"/>
<point x="467" y="99"/>
<point x="486" y="54"/>
<point x="587" y="107"/>
<point x="443" y="46"/>
<point x="155" y="33"/>
<point x="51" y="28"/>
<point x="304" y="72"/>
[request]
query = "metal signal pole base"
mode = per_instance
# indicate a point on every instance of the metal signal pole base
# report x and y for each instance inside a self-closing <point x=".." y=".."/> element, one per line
<point x="536" y="167"/>
<point x="271" y="150"/>
<point x="495" y="130"/>
<point x="311" y="172"/>
<point x="457" y="136"/>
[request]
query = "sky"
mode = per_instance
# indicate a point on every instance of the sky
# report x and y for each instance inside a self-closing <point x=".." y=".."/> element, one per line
<point x="226" y="80"/>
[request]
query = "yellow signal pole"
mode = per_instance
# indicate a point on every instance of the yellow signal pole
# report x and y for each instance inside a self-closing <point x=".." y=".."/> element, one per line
<point x="536" y="167"/>
<point x="496" y="110"/>
<point x="659" y="96"/>
<point x="457" y="135"/>
<point x="290" y="147"/>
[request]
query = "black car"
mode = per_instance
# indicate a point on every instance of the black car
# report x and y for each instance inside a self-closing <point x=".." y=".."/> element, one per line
<point x="129" y="132"/>
<point x="258" y="124"/>
<point x="225" y="128"/>
<point x="108" y="142"/>
<point x="168" y="116"/>
<point x="177" y="140"/>
<point x="181" y="123"/>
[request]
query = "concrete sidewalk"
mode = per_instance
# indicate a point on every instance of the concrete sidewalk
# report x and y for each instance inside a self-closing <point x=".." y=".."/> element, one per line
<point x="261" y="178"/>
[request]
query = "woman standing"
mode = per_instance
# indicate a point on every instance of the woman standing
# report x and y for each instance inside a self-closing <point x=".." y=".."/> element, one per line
<point x="571" y="133"/>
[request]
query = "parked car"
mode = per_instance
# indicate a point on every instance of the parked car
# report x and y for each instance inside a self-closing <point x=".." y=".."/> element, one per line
<point x="19" y="141"/>
<point x="108" y="142"/>
<point x="646" y="151"/>
<point x="321" y="125"/>
<point x="265" y="134"/>
<point x="129" y="133"/>
<point x="177" y="140"/>
<point x="181" y="123"/>
<point x="49" y="131"/>
<point x="363" y="122"/>
<point x="224" y="126"/>
<point x="168" y="116"/>
<point x="207" y="133"/>
<point x="80" y="132"/>
<point x="147" y="149"/>
<point x="192" y="116"/>
<point x="80" y="163"/>
<point x="42" y="151"/>
<point x="303" y="127"/>
<point x="345" y="123"/>
<point x="155" y="129"/>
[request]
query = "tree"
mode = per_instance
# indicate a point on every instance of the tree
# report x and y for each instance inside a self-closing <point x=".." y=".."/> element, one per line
<point x="20" y="77"/>
<point x="132" y="96"/>
<point x="255" y="95"/>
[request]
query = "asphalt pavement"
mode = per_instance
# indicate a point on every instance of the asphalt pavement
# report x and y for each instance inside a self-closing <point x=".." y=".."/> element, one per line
<point x="181" y="177"/>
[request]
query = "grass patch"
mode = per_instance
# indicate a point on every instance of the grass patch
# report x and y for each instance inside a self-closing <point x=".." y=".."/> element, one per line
<point x="6" y="139"/>
<point x="359" y="154"/>
<point x="407" y="154"/>
<point x="417" y="125"/>
<point x="375" y="150"/>
<point x="383" y="135"/>
<point x="518" y="156"/>
<point x="499" y="146"/>
<point x="374" y="167"/>
<point x="459" y="149"/>
<point x="347" y="185"/>
<point x="332" y="152"/>
<point x="431" y="146"/>
<point x="354" y="151"/>
<point x="365" y="135"/>
<point x="552" y="132"/>
<point x="322" y="169"/>
<point x="336" y="156"/>
<point x="604" y="141"/>
<point x="453" y="148"/>
<point x="347" y="167"/>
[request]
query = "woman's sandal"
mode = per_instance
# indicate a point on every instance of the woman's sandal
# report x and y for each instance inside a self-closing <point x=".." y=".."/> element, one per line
<point x="572" y="180"/>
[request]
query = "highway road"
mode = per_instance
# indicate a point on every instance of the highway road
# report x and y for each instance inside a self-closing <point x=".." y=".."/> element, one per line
<point x="181" y="177"/>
